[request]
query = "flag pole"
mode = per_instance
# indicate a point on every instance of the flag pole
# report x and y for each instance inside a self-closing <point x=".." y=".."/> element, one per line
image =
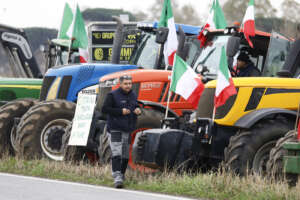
<point x="168" y="102"/>
<point x="214" y="114"/>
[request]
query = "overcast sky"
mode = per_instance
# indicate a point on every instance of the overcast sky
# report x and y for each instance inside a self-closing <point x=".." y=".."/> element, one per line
<point x="48" y="13"/>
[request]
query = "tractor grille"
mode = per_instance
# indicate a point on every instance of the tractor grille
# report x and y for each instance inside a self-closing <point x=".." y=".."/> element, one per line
<point x="63" y="89"/>
<point x="164" y="94"/>
<point x="206" y="105"/>
<point x="47" y="82"/>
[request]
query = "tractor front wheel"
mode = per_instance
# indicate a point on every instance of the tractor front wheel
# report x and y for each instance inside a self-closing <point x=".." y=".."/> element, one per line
<point x="248" y="150"/>
<point x="41" y="129"/>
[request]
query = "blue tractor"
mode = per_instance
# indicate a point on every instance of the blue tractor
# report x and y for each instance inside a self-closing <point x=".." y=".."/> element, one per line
<point x="40" y="130"/>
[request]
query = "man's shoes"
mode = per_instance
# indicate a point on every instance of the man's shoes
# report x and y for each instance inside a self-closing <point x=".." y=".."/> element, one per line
<point x="118" y="179"/>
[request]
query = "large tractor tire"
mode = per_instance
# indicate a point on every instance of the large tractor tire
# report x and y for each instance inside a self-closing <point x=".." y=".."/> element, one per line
<point x="147" y="120"/>
<point x="8" y="113"/>
<point x="275" y="163"/>
<point x="248" y="150"/>
<point x="41" y="129"/>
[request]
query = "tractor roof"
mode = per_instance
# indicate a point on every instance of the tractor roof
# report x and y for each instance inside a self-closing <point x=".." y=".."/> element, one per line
<point x="188" y="29"/>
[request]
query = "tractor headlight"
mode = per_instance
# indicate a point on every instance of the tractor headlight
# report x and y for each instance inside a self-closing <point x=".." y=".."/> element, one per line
<point x="109" y="82"/>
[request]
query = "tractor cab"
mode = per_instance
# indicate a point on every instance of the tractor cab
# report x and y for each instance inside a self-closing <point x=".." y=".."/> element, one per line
<point x="149" y="54"/>
<point x="268" y="54"/>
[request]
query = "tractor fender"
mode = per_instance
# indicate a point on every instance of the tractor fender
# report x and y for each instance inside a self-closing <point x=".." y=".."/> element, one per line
<point x="158" y="107"/>
<point x="248" y="120"/>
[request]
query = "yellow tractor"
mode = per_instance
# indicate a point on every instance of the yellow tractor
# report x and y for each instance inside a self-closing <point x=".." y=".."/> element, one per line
<point x="244" y="129"/>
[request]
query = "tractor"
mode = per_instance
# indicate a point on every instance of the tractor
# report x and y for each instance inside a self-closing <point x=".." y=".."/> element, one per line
<point x="243" y="130"/>
<point x="40" y="130"/>
<point x="27" y="91"/>
<point x="152" y="86"/>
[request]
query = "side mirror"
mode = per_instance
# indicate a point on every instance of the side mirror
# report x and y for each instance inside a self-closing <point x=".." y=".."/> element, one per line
<point x="161" y="35"/>
<point x="233" y="45"/>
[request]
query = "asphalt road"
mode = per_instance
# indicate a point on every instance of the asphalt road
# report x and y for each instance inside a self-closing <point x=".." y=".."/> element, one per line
<point x="15" y="187"/>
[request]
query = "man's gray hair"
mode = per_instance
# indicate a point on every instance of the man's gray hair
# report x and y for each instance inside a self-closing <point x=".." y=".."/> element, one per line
<point x="125" y="77"/>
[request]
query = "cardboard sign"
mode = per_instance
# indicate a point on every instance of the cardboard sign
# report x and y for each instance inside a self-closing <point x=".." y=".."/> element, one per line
<point x="82" y="119"/>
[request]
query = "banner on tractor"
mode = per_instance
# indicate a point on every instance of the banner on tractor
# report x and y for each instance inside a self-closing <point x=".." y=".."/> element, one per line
<point x="82" y="119"/>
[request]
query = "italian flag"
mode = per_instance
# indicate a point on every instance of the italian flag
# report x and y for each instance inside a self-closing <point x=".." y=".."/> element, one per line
<point x="216" y="20"/>
<point x="79" y="36"/>
<point x="225" y="87"/>
<point x="185" y="82"/>
<point x="66" y="23"/>
<point x="167" y="20"/>
<point x="248" y="22"/>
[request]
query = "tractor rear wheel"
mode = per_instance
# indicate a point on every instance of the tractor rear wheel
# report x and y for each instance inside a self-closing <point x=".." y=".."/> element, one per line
<point x="147" y="120"/>
<point x="248" y="150"/>
<point x="8" y="113"/>
<point x="275" y="163"/>
<point x="41" y="129"/>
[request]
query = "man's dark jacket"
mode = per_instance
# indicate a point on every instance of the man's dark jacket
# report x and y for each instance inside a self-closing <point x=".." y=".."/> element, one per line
<point x="248" y="71"/>
<point x="114" y="102"/>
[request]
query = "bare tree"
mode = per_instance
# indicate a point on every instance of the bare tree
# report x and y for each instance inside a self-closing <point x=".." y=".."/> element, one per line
<point x="235" y="10"/>
<point x="185" y="14"/>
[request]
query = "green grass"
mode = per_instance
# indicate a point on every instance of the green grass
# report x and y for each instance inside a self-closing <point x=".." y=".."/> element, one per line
<point x="223" y="186"/>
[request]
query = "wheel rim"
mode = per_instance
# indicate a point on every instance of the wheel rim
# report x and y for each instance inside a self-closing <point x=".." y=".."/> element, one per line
<point x="131" y="164"/>
<point x="51" y="138"/>
<point x="261" y="158"/>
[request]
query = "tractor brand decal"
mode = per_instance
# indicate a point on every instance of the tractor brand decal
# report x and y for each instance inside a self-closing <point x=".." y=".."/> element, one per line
<point x="90" y="90"/>
<point x="20" y="41"/>
<point x="150" y="86"/>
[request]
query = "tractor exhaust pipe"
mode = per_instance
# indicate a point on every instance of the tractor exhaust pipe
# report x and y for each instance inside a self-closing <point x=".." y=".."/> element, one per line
<point x="181" y="42"/>
<point x="118" y="41"/>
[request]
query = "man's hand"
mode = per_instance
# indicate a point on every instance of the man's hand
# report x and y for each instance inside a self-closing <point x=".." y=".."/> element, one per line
<point x="125" y="111"/>
<point x="137" y="111"/>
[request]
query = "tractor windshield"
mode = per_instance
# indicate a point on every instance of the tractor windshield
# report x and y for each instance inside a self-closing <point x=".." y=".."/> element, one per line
<point x="147" y="53"/>
<point x="208" y="61"/>
<point x="276" y="56"/>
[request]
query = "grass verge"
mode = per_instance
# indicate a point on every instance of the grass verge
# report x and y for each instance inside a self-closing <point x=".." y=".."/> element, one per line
<point x="221" y="186"/>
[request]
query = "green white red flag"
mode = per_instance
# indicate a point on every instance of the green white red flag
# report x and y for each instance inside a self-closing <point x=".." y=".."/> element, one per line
<point x="66" y="22"/>
<point x="185" y="82"/>
<point x="249" y="23"/>
<point x="79" y="36"/>
<point x="216" y="20"/>
<point x="225" y="87"/>
<point x="167" y="20"/>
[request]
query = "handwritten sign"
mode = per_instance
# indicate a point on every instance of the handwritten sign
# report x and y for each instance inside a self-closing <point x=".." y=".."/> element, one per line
<point x="82" y="119"/>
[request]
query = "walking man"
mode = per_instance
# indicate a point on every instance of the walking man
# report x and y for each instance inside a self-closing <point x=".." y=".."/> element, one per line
<point x="122" y="109"/>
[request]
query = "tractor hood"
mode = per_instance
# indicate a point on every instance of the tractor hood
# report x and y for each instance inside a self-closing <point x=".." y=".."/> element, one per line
<point x="66" y="81"/>
<point x="140" y="75"/>
<point x="261" y="82"/>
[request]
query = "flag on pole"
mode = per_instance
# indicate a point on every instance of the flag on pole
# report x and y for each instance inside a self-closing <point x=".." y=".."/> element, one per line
<point x="249" y="23"/>
<point x="79" y="35"/>
<point x="185" y="82"/>
<point x="167" y="20"/>
<point x="66" y="23"/>
<point x="216" y="20"/>
<point x="225" y="87"/>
